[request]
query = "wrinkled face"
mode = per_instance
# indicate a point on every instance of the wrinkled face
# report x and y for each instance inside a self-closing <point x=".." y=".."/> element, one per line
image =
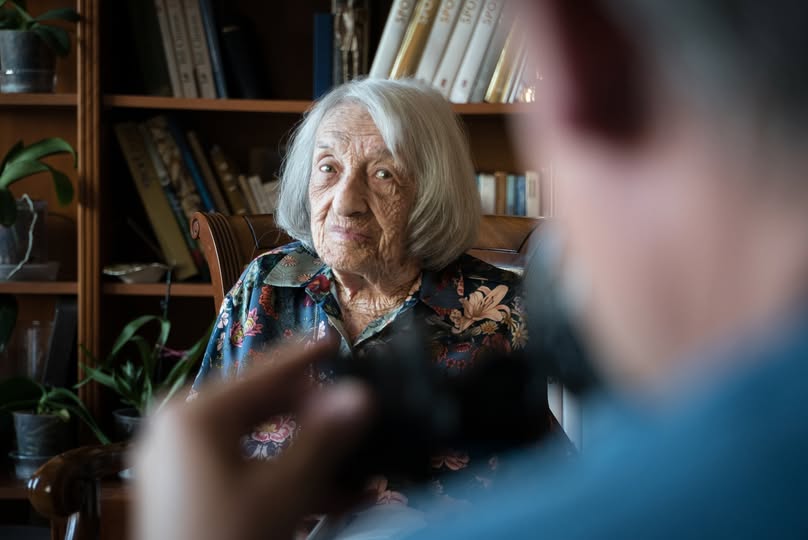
<point x="360" y="197"/>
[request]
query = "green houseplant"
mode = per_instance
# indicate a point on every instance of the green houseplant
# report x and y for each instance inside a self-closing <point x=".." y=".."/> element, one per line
<point x="143" y="373"/>
<point x="29" y="45"/>
<point x="17" y="237"/>
<point x="42" y="417"/>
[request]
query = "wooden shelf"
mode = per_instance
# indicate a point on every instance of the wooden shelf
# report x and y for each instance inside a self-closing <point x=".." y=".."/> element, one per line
<point x="11" y="488"/>
<point x="202" y="290"/>
<point x="276" y="106"/>
<point x="39" y="287"/>
<point x="38" y="100"/>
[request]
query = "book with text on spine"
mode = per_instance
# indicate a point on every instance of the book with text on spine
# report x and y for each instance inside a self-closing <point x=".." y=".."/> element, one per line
<point x="412" y="46"/>
<point x="435" y="46"/>
<point x="478" y="46"/>
<point x="456" y="49"/>
<point x="392" y="36"/>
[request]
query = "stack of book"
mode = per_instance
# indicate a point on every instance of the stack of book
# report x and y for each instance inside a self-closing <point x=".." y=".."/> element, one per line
<point x="176" y="175"/>
<point x="470" y="50"/>
<point x="184" y="50"/>
<point x="530" y="193"/>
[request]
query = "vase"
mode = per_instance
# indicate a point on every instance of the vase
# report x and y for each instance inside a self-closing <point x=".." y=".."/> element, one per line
<point x="127" y="422"/>
<point x="14" y="239"/>
<point x="27" y="64"/>
<point x="41" y="435"/>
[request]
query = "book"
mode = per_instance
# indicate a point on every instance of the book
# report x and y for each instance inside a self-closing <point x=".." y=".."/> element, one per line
<point x="149" y="48"/>
<point x="212" y="36"/>
<point x="209" y="178"/>
<point x="60" y="365"/>
<point x="262" y="202"/>
<point x="492" y="53"/>
<point x="515" y="75"/>
<point x="521" y="195"/>
<point x="273" y="191"/>
<point x="241" y="59"/>
<point x="533" y="194"/>
<point x="437" y="41"/>
<point x="412" y="46"/>
<point x="488" y="193"/>
<point x="458" y="43"/>
<point x="510" y="191"/>
<point x="182" y="48"/>
<point x="200" y="55"/>
<point x="249" y="197"/>
<point x="228" y="178"/>
<point x="169" y="152"/>
<point x="171" y="196"/>
<point x="158" y="211"/>
<point x="501" y="197"/>
<point x="168" y="47"/>
<point x="509" y="59"/>
<point x="392" y="36"/>
<point x="323" y="53"/>
<point x="477" y="47"/>
<point x="190" y="164"/>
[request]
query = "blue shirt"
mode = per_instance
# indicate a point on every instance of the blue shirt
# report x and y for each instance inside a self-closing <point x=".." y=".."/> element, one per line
<point x="729" y="461"/>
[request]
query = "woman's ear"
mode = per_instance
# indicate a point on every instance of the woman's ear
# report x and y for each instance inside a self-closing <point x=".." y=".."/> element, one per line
<point x="597" y="73"/>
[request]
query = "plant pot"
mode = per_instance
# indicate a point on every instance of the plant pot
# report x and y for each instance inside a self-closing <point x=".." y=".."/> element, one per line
<point x="28" y="64"/>
<point x="127" y="422"/>
<point x="26" y="466"/>
<point x="41" y="434"/>
<point x="14" y="239"/>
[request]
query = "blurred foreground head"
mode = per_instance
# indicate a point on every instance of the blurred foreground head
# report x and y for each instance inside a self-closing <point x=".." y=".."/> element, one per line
<point x="677" y="131"/>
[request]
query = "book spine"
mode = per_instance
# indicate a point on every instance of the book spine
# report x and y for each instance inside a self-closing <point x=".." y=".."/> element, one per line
<point x="168" y="47"/>
<point x="241" y="60"/>
<point x="171" y="196"/>
<point x="219" y="202"/>
<point x="392" y="36"/>
<point x="176" y="20"/>
<point x="190" y="164"/>
<point x="458" y="43"/>
<point x="261" y="201"/>
<point x="323" y="53"/>
<point x="252" y="202"/>
<point x="229" y="181"/>
<point x="489" y="63"/>
<point x="510" y="201"/>
<point x="170" y="154"/>
<point x="273" y="191"/>
<point x="488" y="193"/>
<point x="151" y="57"/>
<point x="200" y="54"/>
<point x="212" y="35"/>
<point x="438" y="38"/>
<point x="151" y="194"/>
<point x="533" y="194"/>
<point x="498" y="88"/>
<point x="501" y="181"/>
<point x="521" y="196"/>
<point x="477" y="47"/>
<point x="412" y="46"/>
<point x="515" y="74"/>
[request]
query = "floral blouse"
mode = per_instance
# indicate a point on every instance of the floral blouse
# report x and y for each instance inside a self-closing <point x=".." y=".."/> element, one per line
<point x="289" y="294"/>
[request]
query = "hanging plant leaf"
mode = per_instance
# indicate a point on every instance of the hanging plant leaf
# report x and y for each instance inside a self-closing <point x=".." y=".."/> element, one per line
<point x="19" y="145"/>
<point x="56" y="38"/>
<point x="41" y="149"/>
<point x="59" y="14"/>
<point x="17" y="170"/>
<point x="62" y="185"/>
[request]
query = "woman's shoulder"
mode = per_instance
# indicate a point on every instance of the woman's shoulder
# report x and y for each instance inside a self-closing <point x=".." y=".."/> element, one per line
<point x="289" y="265"/>
<point x="478" y="272"/>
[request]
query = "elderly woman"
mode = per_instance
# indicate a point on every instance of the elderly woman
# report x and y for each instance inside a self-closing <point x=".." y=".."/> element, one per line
<point x="378" y="189"/>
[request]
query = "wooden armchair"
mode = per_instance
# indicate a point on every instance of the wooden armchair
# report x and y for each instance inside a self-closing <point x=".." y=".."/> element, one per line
<point x="68" y="486"/>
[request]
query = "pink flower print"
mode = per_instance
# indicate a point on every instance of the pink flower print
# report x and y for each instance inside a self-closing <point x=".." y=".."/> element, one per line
<point x="220" y="342"/>
<point x="480" y="305"/>
<point x="519" y="336"/>
<point x="461" y="287"/>
<point x="249" y="327"/>
<point x="384" y="495"/>
<point x="267" y="300"/>
<point x="319" y="284"/>
<point x="303" y="278"/>
<point x="279" y="429"/>
<point x="289" y="261"/>
<point x="224" y="319"/>
<point x="288" y="333"/>
<point x="452" y="460"/>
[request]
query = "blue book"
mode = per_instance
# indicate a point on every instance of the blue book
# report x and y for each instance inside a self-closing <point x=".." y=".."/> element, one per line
<point x="510" y="195"/>
<point x="190" y="164"/>
<point x="212" y="37"/>
<point x="323" y="53"/>
<point x="521" y="195"/>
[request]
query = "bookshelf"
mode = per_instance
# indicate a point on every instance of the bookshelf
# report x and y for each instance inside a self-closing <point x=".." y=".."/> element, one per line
<point x="97" y="87"/>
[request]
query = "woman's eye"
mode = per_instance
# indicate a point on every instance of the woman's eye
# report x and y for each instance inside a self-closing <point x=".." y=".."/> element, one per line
<point x="384" y="174"/>
<point x="326" y="168"/>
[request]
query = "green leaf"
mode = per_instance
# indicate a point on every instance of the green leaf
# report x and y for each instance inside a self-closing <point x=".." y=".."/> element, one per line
<point x="8" y="309"/>
<point x="19" y="145"/>
<point x="42" y="149"/>
<point x="97" y="375"/>
<point x="128" y="331"/>
<point x="56" y="38"/>
<point x="76" y="406"/>
<point x="24" y="15"/>
<point x="59" y="14"/>
<point x="17" y="170"/>
<point x="62" y="185"/>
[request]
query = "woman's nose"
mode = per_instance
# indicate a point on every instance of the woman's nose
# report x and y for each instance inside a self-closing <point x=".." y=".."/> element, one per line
<point x="351" y="196"/>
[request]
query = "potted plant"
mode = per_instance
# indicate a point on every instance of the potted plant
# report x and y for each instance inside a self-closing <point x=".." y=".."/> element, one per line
<point x="17" y="236"/>
<point x="29" y="45"/>
<point x="141" y="373"/>
<point x="42" y="421"/>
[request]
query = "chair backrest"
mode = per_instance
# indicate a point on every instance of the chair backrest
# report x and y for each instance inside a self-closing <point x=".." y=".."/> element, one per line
<point x="229" y="243"/>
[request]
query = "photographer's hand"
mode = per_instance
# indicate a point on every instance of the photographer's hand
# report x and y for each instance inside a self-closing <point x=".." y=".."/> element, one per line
<point x="192" y="483"/>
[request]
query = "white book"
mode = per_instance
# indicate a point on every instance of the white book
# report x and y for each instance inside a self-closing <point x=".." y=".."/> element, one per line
<point x="548" y="197"/>
<point x="573" y="419"/>
<point x="461" y="35"/>
<point x="392" y="35"/>
<point x="488" y="193"/>
<point x="181" y="47"/>
<point x="249" y="198"/>
<point x="261" y="199"/>
<point x="200" y="54"/>
<point x="478" y="46"/>
<point x="533" y="194"/>
<point x="491" y="57"/>
<point x="555" y="399"/>
<point x="168" y="47"/>
<point x="438" y="39"/>
<point x="272" y="191"/>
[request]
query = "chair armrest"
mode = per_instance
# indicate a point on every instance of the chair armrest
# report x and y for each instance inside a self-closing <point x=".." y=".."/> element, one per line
<point x="59" y="488"/>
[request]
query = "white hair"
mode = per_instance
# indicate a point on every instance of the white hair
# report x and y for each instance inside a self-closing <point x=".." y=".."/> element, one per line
<point x="427" y="141"/>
